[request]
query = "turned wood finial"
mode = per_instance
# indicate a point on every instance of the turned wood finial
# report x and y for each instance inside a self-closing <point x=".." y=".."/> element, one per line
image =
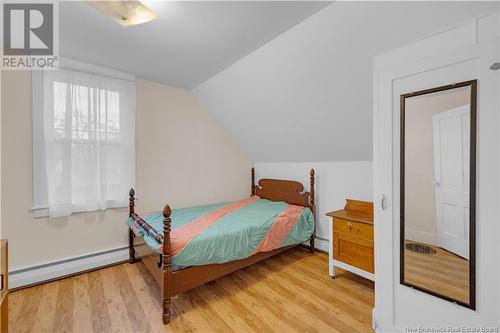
<point x="167" y="222"/>
<point x="167" y="211"/>
<point x="311" y="175"/>
<point x="131" y="202"/>
<point x="313" y="209"/>
<point x="253" y="181"/>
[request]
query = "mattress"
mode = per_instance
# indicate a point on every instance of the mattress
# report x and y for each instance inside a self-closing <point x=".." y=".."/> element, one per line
<point x="224" y="232"/>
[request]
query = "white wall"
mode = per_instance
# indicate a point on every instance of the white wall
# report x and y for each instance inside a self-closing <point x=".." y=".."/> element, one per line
<point x="465" y="51"/>
<point x="184" y="158"/>
<point x="306" y="95"/>
<point x="1" y="233"/>
<point x="335" y="181"/>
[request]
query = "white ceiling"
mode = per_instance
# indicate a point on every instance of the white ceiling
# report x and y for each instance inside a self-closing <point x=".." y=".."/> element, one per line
<point x="307" y="95"/>
<point x="187" y="44"/>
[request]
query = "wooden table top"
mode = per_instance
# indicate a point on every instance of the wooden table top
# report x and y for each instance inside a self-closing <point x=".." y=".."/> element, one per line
<point x="355" y="210"/>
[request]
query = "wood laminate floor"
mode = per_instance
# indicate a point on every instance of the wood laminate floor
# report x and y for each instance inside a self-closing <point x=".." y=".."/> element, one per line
<point x="443" y="272"/>
<point x="290" y="292"/>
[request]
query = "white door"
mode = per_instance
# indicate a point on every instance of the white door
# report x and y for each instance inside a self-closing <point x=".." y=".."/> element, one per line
<point x="451" y="139"/>
<point x="436" y="61"/>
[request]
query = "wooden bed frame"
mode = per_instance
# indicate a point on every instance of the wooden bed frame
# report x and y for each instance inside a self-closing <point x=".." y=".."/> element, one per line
<point x="175" y="282"/>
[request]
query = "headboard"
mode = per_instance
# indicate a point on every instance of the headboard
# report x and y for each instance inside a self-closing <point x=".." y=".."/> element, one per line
<point x="290" y="191"/>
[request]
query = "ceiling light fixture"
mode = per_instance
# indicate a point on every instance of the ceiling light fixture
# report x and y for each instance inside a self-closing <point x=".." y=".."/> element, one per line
<point x="125" y="13"/>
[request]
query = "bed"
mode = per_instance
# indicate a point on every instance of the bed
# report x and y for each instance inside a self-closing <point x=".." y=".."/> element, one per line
<point x="185" y="248"/>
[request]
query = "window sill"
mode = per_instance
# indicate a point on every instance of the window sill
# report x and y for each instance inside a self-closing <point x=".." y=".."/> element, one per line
<point x="40" y="212"/>
<point x="43" y="211"/>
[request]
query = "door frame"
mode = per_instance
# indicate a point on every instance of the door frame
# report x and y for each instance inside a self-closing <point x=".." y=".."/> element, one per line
<point x="394" y="303"/>
<point x="472" y="193"/>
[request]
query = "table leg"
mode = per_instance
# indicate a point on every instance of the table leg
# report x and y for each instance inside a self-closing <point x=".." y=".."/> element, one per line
<point x="331" y="266"/>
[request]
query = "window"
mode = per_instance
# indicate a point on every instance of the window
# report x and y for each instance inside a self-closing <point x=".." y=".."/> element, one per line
<point x="84" y="152"/>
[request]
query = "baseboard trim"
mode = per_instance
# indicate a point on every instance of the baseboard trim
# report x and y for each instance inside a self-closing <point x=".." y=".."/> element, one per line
<point x="30" y="276"/>
<point x="26" y="277"/>
<point x="322" y="244"/>
<point x="420" y="236"/>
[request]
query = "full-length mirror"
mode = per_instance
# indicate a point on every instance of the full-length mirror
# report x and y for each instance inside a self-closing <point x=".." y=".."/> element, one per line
<point x="438" y="140"/>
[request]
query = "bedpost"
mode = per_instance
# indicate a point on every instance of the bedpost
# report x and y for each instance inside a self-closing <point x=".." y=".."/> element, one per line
<point x="313" y="209"/>
<point x="253" y="181"/>
<point x="131" y="205"/>
<point x="167" y="265"/>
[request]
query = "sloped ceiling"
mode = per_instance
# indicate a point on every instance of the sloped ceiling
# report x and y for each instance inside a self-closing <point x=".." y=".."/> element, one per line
<point x="307" y="95"/>
<point x="188" y="43"/>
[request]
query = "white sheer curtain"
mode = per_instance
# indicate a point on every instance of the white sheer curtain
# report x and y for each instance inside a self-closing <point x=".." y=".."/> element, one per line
<point x="87" y="158"/>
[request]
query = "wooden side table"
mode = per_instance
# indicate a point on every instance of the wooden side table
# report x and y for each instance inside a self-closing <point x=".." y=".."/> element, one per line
<point x="351" y="239"/>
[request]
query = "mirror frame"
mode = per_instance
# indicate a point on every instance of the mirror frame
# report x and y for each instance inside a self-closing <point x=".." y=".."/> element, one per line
<point x="472" y="194"/>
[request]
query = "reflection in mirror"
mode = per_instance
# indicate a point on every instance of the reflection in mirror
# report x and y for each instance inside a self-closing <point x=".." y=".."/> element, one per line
<point x="437" y="191"/>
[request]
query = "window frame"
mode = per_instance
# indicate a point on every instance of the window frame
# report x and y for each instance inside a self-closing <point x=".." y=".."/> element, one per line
<point x="40" y="208"/>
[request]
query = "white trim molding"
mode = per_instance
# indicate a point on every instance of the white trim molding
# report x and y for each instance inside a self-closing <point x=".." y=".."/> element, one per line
<point x="421" y="236"/>
<point x="321" y="243"/>
<point x="80" y="66"/>
<point x="50" y="271"/>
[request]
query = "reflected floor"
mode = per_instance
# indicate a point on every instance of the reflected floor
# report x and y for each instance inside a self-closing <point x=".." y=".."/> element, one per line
<point x="443" y="272"/>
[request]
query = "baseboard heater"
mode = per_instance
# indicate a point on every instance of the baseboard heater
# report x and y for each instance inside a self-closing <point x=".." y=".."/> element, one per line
<point x="25" y="277"/>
